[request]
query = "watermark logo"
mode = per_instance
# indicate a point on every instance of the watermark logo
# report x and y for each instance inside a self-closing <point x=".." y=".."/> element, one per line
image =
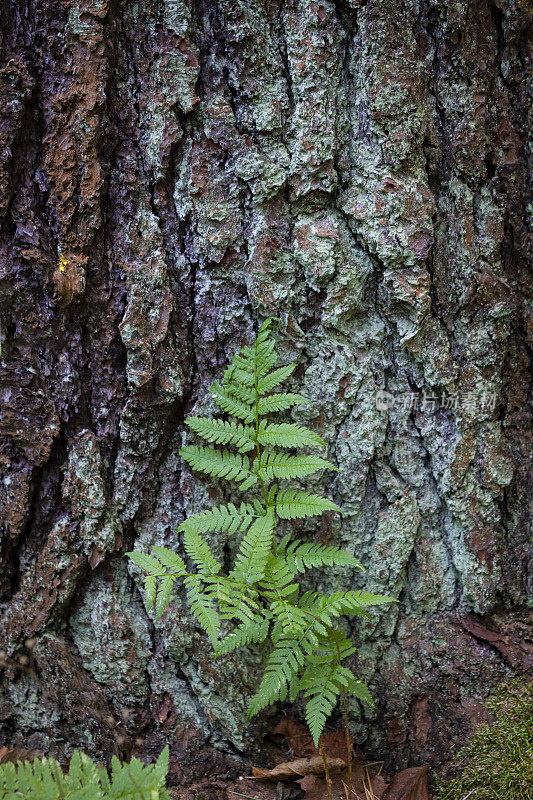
<point x="430" y="403"/>
<point x="384" y="401"/>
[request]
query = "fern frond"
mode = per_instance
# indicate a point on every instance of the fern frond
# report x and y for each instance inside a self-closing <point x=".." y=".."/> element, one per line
<point x="236" y="407"/>
<point x="164" y="592"/>
<point x="261" y="595"/>
<point x="251" y="560"/>
<point x="307" y="555"/>
<point x="202" y="607"/>
<point x="358" y="599"/>
<point x="255" y="632"/>
<point x="44" y="780"/>
<point x="147" y="563"/>
<point x="219" y="431"/>
<point x="286" y="434"/>
<point x="226" y="519"/>
<point x="279" y="577"/>
<point x="199" y="552"/>
<point x="282" y="466"/>
<point x="219" y="464"/>
<point x="292" y="619"/>
<point x="280" y="402"/>
<point x="284" y="662"/>
<point x="360" y="690"/>
<point x="274" y="378"/>
<point x="322" y="686"/>
<point x="170" y="560"/>
<point x="293" y="503"/>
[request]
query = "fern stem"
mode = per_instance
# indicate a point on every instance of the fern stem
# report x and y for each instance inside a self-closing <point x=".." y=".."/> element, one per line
<point x="326" y="769"/>
<point x="257" y="447"/>
<point x="346" y="730"/>
<point x="348" y="743"/>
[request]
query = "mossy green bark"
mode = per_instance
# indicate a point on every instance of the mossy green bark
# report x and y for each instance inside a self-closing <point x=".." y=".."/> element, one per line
<point x="497" y="764"/>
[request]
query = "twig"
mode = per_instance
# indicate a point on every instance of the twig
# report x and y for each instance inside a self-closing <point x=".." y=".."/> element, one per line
<point x="328" y="779"/>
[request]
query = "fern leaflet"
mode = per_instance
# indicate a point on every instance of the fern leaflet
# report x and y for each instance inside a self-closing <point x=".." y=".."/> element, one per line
<point x="219" y="464"/>
<point x="282" y="467"/>
<point x="280" y="402"/>
<point x="292" y="503"/>
<point x="307" y="555"/>
<point x="286" y="434"/>
<point x="251" y="560"/>
<point x="231" y="405"/>
<point x="226" y="519"/>
<point x="202" y="607"/>
<point x="199" y="552"/>
<point x="218" y="431"/>
<point x="273" y="379"/>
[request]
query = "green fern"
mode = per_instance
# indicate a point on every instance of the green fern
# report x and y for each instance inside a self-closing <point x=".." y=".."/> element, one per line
<point x="44" y="780"/>
<point x="219" y="431"/>
<point x="226" y="519"/>
<point x="260" y="598"/>
<point x="220" y="464"/>
<point x="291" y="504"/>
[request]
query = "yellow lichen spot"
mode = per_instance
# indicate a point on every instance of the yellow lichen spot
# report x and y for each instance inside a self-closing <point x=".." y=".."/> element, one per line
<point x="63" y="264"/>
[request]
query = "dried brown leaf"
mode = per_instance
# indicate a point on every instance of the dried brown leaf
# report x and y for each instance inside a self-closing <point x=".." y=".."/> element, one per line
<point x="335" y="744"/>
<point x="315" y="788"/>
<point x="378" y="784"/>
<point x="301" y="742"/>
<point x="410" y="784"/>
<point x="298" y="768"/>
<point x="297" y="736"/>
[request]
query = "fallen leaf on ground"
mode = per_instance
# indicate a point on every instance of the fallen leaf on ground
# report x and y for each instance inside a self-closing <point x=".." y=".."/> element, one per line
<point x="301" y="742"/>
<point x="315" y="788"/>
<point x="410" y="784"/>
<point x="298" y="769"/>
<point x="366" y="784"/>
<point x="297" y="736"/>
<point x="378" y="784"/>
<point x="335" y="744"/>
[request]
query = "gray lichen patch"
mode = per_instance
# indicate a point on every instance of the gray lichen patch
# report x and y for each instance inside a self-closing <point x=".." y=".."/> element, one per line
<point x="112" y="636"/>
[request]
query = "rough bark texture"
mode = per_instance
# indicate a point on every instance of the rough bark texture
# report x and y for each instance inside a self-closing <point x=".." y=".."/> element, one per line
<point x="172" y="171"/>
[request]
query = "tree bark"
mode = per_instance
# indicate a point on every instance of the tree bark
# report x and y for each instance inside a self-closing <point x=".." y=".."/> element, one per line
<point x="171" y="172"/>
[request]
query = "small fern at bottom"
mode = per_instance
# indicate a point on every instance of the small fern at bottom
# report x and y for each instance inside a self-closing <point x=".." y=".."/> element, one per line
<point x="44" y="780"/>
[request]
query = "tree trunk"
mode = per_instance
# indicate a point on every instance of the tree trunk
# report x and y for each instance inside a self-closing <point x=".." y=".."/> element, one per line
<point x="171" y="172"/>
